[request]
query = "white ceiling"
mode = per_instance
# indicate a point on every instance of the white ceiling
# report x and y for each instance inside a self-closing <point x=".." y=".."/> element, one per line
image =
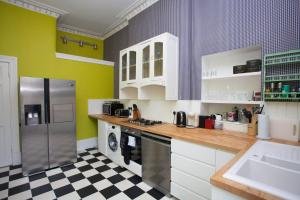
<point x="94" y="16"/>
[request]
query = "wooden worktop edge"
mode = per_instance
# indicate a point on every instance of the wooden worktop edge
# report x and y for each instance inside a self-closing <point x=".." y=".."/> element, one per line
<point x="237" y="188"/>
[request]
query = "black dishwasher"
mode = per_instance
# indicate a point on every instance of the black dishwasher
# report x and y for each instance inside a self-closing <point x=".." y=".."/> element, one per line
<point x="156" y="159"/>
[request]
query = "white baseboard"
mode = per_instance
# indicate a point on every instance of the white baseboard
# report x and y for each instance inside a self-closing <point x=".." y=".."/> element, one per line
<point x="86" y="143"/>
<point x="16" y="157"/>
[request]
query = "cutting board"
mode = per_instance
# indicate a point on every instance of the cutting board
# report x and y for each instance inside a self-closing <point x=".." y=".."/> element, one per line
<point x="287" y="129"/>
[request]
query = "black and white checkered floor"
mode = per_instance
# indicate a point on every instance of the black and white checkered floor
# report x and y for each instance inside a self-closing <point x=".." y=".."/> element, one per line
<point x="94" y="176"/>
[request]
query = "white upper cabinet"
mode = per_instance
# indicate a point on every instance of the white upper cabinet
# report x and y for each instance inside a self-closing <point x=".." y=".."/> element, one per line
<point x="149" y="70"/>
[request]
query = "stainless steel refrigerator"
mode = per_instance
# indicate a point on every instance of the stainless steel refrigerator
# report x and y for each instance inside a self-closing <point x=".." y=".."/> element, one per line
<point x="48" y="123"/>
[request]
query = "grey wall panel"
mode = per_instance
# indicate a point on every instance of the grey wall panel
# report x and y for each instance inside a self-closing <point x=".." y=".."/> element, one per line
<point x="112" y="47"/>
<point x="220" y="25"/>
<point x="164" y="16"/>
<point x="210" y="26"/>
<point x="171" y="16"/>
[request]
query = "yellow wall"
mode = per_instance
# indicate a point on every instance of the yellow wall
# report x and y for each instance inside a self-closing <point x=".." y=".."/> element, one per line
<point x="75" y="49"/>
<point x="31" y="37"/>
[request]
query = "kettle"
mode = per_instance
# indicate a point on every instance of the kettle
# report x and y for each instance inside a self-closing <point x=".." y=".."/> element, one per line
<point x="181" y="119"/>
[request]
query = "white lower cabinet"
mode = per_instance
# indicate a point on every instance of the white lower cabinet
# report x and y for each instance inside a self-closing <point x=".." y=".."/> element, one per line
<point x="196" y="185"/>
<point x="219" y="194"/>
<point x="183" y="193"/>
<point x="192" y="165"/>
<point x="222" y="157"/>
<point x="102" y="136"/>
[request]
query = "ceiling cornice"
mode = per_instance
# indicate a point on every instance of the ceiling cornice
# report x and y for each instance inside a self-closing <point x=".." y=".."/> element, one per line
<point x="121" y="22"/>
<point x="78" y="31"/>
<point x="38" y="7"/>
<point x="115" y="28"/>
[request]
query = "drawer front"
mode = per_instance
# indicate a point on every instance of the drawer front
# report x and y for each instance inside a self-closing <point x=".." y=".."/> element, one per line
<point x="223" y="157"/>
<point x="184" y="194"/>
<point x="193" y="184"/>
<point x="194" y="151"/>
<point x="192" y="167"/>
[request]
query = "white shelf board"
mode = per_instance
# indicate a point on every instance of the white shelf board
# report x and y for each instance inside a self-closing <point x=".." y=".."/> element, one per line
<point x="232" y="102"/>
<point x="234" y="76"/>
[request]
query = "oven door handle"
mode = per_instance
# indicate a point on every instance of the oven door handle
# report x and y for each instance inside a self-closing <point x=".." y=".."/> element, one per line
<point x="157" y="137"/>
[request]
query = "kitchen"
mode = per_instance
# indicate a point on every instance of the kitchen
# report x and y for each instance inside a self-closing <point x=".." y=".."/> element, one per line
<point x="157" y="99"/>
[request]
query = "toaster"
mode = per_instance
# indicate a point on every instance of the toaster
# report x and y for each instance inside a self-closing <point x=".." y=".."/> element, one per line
<point x="124" y="113"/>
<point x="109" y="108"/>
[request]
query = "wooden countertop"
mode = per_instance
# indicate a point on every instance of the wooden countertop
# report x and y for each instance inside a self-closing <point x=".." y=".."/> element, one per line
<point x="230" y="141"/>
<point x="226" y="140"/>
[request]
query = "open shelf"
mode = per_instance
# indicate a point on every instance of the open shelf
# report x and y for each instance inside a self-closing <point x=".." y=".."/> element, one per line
<point x="232" y="102"/>
<point x="282" y="68"/>
<point x="287" y="77"/>
<point x="156" y="92"/>
<point x="221" y="89"/>
<point x="128" y="92"/>
<point x="234" y="76"/>
<point x="282" y="58"/>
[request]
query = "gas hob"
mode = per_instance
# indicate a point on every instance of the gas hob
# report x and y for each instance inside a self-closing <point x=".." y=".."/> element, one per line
<point x="144" y="122"/>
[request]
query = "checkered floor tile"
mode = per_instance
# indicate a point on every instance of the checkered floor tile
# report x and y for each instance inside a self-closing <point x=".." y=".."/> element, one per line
<point x="93" y="176"/>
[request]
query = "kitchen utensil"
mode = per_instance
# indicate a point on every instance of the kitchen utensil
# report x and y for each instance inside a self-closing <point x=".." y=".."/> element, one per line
<point x="218" y="122"/>
<point x="136" y="112"/>
<point x="279" y="87"/>
<point x="230" y="116"/>
<point x="263" y="130"/>
<point x="236" y="114"/>
<point x="123" y="113"/>
<point x="209" y="123"/>
<point x="285" y="90"/>
<point x="202" y="119"/>
<point x="181" y="119"/>
<point x="247" y="114"/>
<point x="252" y="127"/>
<point x="109" y="108"/>
<point x="239" y="69"/>
<point x="192" y="120"/>
<point x="253" y="65"/>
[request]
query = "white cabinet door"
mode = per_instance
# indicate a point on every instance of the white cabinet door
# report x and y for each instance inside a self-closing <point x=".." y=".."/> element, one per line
<point x="123" y="66"/>
<point x="195" y="185"/>
<point x="192" y="167"/>
<point x="132" y="65"/>
<point x="218" y="194"/>
<point x="5" y="116"/>
<point x="102" y="136"/>
<point x="146" y="55"/>
<point x="223" y="157"/>
<point x="183" y="193"/>
<point x="158" y="47"/>
<point x="194" y="151"/>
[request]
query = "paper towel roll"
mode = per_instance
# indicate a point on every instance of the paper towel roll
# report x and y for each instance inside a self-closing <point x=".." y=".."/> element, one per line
<point x="263" y="130"/>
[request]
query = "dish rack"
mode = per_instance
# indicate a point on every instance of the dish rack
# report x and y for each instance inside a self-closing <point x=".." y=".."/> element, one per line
<point x="282" y="76"/>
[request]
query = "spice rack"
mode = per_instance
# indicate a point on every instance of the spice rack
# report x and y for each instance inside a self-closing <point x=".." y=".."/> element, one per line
<point x="282" y="76"/>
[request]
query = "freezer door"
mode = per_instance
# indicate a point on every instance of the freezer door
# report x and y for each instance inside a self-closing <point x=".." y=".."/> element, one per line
<point x="34" y="135"/>
<point x="62" y="123"/>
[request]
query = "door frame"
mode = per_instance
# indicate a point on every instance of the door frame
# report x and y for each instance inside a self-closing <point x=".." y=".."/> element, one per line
<point x="14" y="107"/>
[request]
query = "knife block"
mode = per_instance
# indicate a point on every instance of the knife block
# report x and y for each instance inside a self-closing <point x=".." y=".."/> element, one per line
<point x="252" y="127"/>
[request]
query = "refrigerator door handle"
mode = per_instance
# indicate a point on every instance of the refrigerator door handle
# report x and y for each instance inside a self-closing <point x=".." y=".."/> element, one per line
<point x="47" y="119"/>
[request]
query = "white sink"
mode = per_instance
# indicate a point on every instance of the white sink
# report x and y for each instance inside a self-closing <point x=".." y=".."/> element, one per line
<point x="269" y="167"/>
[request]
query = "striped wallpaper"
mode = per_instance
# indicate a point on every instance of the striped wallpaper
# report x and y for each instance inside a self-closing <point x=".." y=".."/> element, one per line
<point x="210" y="26"/>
